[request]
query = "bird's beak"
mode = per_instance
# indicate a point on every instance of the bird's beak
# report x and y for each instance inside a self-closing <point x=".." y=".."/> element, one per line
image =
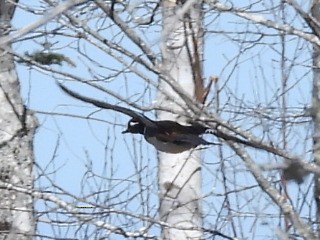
<point x="125" y="131"/>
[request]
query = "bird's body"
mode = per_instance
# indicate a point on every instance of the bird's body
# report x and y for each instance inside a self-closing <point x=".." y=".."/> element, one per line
<point x="169" y="136"/>
<point x="166" y="136"/>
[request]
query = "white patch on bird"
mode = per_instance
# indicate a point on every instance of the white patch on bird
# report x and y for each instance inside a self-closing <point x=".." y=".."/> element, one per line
<point x="211" y="131"/>
<point x="131" y="124"/>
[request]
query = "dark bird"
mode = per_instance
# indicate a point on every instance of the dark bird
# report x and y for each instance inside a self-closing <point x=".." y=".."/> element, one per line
<point x="294" y="171"/>
<point x="166" y="136"/>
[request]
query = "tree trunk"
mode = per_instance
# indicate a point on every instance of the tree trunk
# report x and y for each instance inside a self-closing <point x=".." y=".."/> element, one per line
<point x="315" y="12"/>
<point x="16" y="151"/>
<point x="180" y="174"/>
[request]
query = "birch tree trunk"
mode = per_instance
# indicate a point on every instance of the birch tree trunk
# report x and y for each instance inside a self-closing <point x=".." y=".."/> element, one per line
<point x="16" y="152"/>
<point x="180" y="174"/>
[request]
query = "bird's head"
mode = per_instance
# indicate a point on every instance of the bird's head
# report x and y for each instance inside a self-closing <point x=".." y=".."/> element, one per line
<point x="134" y="126"/>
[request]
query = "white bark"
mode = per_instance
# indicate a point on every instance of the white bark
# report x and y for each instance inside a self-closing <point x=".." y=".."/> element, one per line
<point x="179" y="174"/>
<point x="16" y="134"/>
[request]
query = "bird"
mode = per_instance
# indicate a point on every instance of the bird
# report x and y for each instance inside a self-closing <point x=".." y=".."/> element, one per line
<point x="169" y="136"/>
<point x="165" y="135"/>
<point x="294" y="171"/>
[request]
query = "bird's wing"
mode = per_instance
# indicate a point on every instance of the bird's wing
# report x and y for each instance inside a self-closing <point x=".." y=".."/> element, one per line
<point x="174" y="137"/>
<point x="171" y="126"/>
<point x="138" y="116"/>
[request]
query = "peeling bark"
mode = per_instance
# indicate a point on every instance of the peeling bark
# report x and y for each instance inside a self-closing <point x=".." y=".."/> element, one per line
<point x="16" y="151"/>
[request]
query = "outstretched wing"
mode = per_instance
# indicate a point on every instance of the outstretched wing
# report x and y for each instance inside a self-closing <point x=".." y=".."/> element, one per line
<point x="179" y="138"/>
<point x="138" y="116"/>
<point x="171" y="126"/>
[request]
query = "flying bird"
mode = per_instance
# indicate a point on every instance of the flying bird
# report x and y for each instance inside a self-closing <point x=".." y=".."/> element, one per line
<point x="166" y="136"/>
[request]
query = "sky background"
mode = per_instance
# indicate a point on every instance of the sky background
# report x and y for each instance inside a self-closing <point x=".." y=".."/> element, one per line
<point x="71" y="150"/>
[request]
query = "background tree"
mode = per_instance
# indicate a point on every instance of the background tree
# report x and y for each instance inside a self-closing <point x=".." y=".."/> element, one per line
<point x="17" y="131"/>
<point x="313" y="24"/>
<point x="265" y="56"/>
<point x="180" y="174"/>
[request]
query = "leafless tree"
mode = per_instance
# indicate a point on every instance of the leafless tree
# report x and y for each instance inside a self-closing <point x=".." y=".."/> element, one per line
<point x="17" y="130"/>
<point x="248" y="71"/>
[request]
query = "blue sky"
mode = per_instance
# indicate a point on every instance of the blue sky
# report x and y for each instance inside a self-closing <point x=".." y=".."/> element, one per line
<point x="251" y="76"/>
